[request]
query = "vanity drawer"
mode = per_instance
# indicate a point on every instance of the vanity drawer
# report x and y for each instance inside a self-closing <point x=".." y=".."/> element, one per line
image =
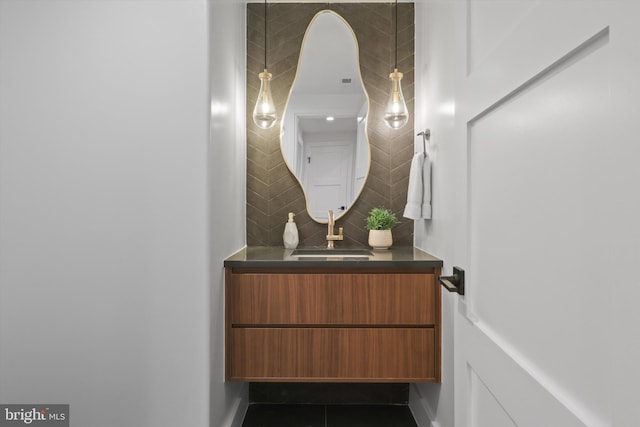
<point x="333" y="299"/>
<point x="333" y="354"/>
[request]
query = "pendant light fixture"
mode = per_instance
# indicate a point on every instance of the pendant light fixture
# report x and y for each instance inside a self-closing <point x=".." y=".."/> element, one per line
<point x="264" y="113"/>
<point x="396" y="114"/>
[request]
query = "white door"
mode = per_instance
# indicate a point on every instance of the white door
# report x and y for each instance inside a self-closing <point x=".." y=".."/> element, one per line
<point x="547" y="107"/>
<point x="328" y="176"/>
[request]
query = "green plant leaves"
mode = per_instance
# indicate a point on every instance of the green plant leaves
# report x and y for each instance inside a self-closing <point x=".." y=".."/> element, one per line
<point x="381" y="219"/>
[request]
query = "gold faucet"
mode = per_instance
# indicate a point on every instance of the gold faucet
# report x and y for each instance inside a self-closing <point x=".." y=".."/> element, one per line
<point x="330" y="236"/>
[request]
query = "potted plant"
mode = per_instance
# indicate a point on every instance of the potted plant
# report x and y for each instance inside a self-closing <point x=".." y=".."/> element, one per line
<point x="379" y="223"/>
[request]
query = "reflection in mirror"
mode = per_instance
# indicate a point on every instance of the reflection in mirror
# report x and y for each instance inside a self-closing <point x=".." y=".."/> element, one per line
<point x="324" y="139"/>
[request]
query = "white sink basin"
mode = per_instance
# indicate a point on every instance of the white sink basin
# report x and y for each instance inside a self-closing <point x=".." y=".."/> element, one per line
<point x="331" y="253"/>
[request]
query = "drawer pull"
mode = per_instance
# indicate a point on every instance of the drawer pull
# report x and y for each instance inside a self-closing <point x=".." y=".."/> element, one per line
<point x="454" y="283"/>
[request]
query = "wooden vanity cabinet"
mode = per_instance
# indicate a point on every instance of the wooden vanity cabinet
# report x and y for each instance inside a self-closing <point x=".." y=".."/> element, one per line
<point x="364" y="325"/>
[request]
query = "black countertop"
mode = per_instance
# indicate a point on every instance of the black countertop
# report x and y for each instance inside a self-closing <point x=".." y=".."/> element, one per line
<point x="279" y="257"/>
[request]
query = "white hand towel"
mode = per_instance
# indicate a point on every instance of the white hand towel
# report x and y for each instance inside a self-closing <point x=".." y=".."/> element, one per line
<point x="419" y="193"/>
<point x="426" y="188"/>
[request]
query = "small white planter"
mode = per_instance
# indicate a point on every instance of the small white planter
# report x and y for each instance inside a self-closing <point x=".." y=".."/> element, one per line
<point x="380" y="239"/>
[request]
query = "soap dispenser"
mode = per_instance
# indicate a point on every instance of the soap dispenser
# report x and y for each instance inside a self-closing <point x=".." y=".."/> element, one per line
<point x="290" y="236"/>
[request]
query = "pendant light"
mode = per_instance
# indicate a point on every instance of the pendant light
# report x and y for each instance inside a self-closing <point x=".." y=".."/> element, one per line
<point x="264" y="113"/>
<point x="396" y="114"/>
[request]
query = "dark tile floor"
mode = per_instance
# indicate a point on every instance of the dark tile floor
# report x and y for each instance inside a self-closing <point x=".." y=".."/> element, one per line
<point x="330" y="393"/>
<point x="282" y="415"/>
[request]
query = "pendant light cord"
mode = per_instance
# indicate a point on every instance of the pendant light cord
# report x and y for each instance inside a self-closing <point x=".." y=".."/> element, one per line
<point x="396" y="38"/>
<point x="265" y="34"/>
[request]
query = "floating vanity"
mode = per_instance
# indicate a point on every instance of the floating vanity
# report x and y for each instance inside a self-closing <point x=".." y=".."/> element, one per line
<point x="342" y="315"/>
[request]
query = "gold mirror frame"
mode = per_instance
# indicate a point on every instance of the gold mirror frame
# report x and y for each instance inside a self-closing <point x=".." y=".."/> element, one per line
<point x="356" y="192"/>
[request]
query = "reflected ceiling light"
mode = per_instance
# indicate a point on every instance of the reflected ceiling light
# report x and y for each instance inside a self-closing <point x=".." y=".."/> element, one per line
<point x="264" y="113"/>
<point x="330" y="118"/>
<point x="396" y="114"/>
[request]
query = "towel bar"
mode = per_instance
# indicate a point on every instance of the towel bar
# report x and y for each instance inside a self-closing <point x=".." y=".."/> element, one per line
<point x="426" y="136"/>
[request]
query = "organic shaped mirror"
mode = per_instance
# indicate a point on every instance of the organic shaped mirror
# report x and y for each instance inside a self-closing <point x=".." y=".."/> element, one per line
<point x="324" y="137"/>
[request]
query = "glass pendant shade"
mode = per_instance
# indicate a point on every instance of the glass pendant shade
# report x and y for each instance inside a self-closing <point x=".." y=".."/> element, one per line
<point x="264" y="113"/>
<point x="396" y="114"/>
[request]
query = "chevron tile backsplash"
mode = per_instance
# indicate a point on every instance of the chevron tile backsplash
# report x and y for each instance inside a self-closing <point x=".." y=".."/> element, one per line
<point x="272" y="190"/>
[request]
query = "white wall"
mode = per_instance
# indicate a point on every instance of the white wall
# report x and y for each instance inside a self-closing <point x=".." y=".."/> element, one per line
<point x="434" y="109"/>
<point x="109" y="283"/>
<point x="227" y="183"/>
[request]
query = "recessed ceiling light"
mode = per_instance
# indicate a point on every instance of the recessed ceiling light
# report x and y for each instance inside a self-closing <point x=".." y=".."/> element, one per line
<point x="330" y="118"/>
